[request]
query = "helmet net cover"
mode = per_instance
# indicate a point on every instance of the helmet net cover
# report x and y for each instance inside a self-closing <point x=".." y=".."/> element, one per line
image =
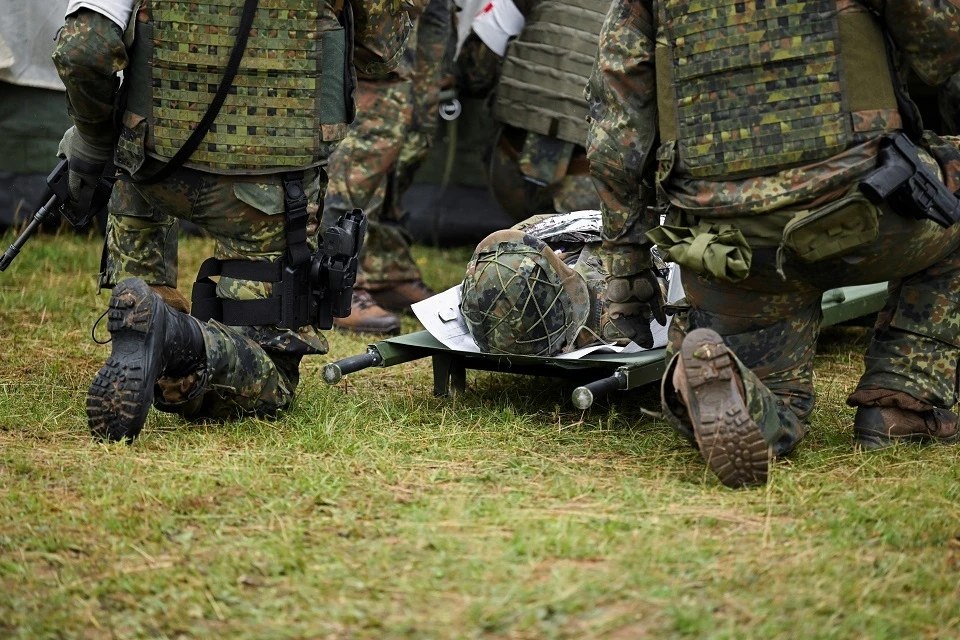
<point x="514" y="302"/>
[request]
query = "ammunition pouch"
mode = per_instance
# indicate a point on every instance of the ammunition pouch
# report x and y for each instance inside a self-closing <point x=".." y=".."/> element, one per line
<point x="833" y="230"/>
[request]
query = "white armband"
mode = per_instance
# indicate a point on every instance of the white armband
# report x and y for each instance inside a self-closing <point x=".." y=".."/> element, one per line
<point x="119" y="11"/>
<point x="496" y="23"/>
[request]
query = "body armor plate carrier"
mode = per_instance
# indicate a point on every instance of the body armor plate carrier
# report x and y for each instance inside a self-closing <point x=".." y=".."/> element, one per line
<point x="747" y="87"/>
<point x="289" y="100"/>
<point x="547" y="67"/>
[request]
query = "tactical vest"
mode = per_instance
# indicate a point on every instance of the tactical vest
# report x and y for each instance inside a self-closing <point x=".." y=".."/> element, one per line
<point x="290" y="99"/>
<point x="547" y="67"/>
<point x="747" y="87"/>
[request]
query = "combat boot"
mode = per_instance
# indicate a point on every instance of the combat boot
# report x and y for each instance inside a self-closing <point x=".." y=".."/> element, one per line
<point x="709" y="385"/>
<point x="148" y="340"/>
<point x="879" y="427"/>
<point x="366" y="316"/>
<point x="401" y="296"/>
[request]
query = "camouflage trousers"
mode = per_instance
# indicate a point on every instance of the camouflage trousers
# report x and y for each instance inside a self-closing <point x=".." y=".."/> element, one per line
<point x="361" y="171"/>
<point x="771" y="323"/>
<point x="426" y="56"/>
<point x="249" y="369"/>
<point x="375" y="163"/>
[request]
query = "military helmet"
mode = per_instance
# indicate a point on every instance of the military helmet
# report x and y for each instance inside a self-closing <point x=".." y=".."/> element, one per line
<point x="519" y="297"/>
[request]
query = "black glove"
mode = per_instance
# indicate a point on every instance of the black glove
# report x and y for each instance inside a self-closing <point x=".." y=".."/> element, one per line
<point x="86" y="162"/>
<point x="634" y="301"/>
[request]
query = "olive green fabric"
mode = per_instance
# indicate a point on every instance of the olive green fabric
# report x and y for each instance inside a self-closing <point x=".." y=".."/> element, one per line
<point x="289" y="100"/>
<point x="546" y="68"/>
<point x="832" y="230"/>
<point x="719" y="250"/>
<point x="763" y="86"/>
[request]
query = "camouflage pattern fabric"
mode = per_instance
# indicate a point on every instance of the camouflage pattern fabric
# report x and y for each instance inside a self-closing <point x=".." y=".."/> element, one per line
<point x="739" y="97"/>
<point x="285" y="122"/>
<point x="622" y="94"/>
<point x="375" y="163"/>
<point x="249" y="368"/>
<point x="771" y="323"/>
<point x="477" y="68"/>
<point x="948" y="102"/>
<point x="428" y="62"/>
<point x="361" y="170"/>
<point x="519" y="195"/>
<point x="89" y="54"/>
<point x="519" y="298"/>
<point x="571" y="239"/>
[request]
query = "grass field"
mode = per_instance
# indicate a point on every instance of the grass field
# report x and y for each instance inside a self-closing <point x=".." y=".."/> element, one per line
<point x="375" y="510"/>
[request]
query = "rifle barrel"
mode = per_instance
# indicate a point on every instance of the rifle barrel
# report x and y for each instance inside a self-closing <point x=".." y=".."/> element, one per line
<point x="45" y="213"/>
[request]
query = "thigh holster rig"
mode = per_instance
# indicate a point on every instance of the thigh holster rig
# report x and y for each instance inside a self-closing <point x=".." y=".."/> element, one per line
<point x="308" y="288"/>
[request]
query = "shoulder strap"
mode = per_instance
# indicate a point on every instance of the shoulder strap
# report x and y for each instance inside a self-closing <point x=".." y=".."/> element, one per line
<point x="233" y="65"/>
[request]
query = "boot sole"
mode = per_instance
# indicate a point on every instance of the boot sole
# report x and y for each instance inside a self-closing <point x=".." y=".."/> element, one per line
<point x="868" y="441"/>
<point x="119" y="397"/>
<point x="730" y="441"/>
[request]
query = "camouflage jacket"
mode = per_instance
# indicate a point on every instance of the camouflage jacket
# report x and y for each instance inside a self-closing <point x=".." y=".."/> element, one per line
<point x="623" y="135"/>
<point x="91" y="51"/>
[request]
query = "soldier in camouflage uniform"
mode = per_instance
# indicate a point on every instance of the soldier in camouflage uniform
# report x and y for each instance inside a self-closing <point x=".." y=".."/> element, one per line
<point x="538" y="162"/>
<point x="290" y="106"/>
<point x="763" y="138"/>
<point x="426" y="56"/>
<point x="396" y="114"/>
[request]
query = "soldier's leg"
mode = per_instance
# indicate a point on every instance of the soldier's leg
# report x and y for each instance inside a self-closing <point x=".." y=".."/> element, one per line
<point x="390" y="272"/>
<point x="433" y="35"/>
<point x="251" y="368"/>
<point x="766" y="353"/>
<point x="361" y="167"/>
<point x="360" y="171"/>
<point x="910" y="381"/>
<point x="575" y="193"/>
<point x="204" y="369"/>
<point x="141" y="241"/>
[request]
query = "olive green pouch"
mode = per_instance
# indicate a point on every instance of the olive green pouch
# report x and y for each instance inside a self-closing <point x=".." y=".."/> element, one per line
<point x="716" y="249"/>
<point x="833" y="230"/>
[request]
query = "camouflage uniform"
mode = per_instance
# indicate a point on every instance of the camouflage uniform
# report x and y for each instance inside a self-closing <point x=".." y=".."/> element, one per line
<point x="247" y="368"/>
<point x="396" y="122"/>
<point x="426" y="56"/>
<point x="770" y="318"/>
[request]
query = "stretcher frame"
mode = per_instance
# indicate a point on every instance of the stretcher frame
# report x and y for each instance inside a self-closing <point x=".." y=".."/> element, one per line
<point x="598" y="373"/>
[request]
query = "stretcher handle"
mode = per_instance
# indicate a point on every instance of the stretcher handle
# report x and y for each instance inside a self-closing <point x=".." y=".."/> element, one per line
<point x="333" y="372"/>
<point x="583" y="396"/>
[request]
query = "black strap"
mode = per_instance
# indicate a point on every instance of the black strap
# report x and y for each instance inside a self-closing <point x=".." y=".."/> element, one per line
<point x="295" y="206"/>
<point x="233" y="65"/>
<point x="205" y="304"/>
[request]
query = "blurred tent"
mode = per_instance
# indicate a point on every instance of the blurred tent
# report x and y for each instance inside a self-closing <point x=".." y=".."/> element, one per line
<point x="33" y="113"/>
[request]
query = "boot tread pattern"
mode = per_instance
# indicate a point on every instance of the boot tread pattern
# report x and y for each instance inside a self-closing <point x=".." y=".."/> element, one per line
<point x="118" y="400"/>
<point x="730" y="441"/>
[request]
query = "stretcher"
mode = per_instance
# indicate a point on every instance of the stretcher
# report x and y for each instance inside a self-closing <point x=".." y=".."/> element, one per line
<point x="597" y="374"/>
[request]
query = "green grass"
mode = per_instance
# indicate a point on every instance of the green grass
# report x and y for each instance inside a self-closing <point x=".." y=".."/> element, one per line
<point x="373" y="509"/>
